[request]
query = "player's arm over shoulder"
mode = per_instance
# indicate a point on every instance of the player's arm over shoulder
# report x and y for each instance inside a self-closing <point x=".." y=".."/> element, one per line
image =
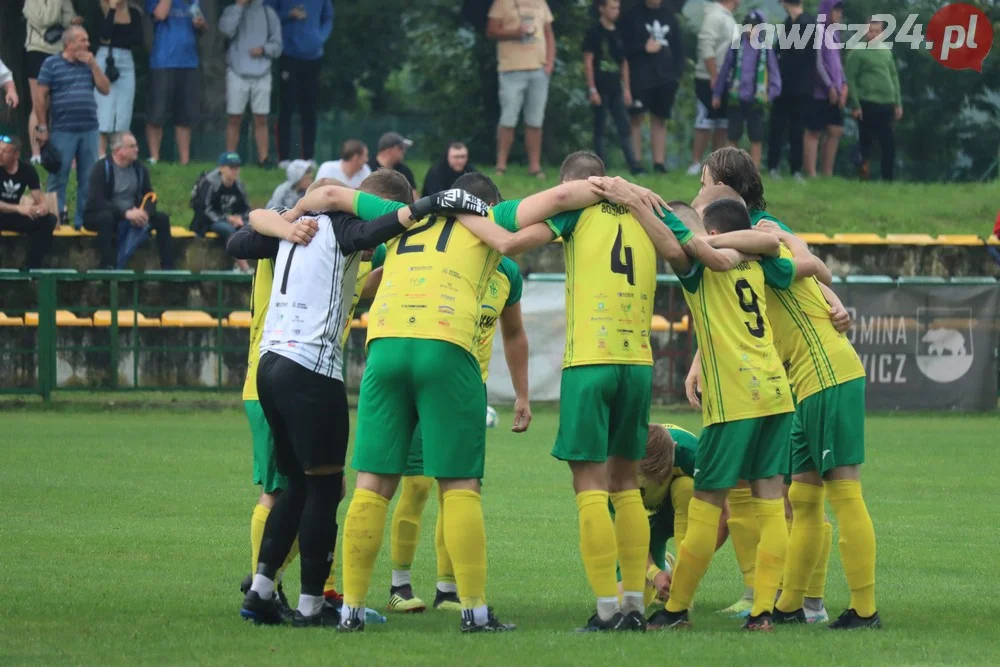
<point x="502" y="230"/>
<point x="354" y="234"/>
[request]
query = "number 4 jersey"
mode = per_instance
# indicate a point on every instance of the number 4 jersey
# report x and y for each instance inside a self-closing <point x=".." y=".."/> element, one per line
<point x="742" y="376"/>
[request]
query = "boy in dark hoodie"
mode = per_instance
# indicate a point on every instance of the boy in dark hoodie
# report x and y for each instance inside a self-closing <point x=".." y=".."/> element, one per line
<point x="826" y="114"/>
<point x="798" y="69"/>
<point x="655" y="55"/>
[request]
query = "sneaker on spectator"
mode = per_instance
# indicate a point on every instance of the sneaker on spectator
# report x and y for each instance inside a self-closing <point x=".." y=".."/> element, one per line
<point x="775" y="174"/>
<point x="798" y="178"/>
<point x="151" y="161"/>
<point x="284" y="164"/>
<point x="36" y="159"/>
<point x="694" y="169"/>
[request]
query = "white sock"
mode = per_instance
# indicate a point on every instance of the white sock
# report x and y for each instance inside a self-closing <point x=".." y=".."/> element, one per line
<point x="350" y="612"/>
<point x="813" y="604"/>
<point x="448" y="587"/>
<point x="632" y="601"/>
<point x="262" y="586"/>
<point x="481" y="614"/>
<point x="608" y="607"/>
<point x="400" y="578"/>
<point x="310" y="605"/>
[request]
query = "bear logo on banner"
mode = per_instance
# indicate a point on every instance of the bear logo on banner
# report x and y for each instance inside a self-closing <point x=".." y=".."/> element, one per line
<point x="944" y="343"/>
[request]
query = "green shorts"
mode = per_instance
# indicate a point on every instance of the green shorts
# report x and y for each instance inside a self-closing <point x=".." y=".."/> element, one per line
<point x="433" y="385"/>
<point x="603" y="411"/>
<point x="415" y="458"/>
<point x="755" y="448"/>
<point x="265" y="468"/>
<point x="829" y="429"/>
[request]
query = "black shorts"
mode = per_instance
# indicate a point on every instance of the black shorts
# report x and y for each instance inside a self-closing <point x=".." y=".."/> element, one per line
<point x="820" y="114"/>
<point x="749" y="113"/>
<point x="705" y="117"/>
<point x="174" y="93"/>
<point x="658" y="101"/>
<point x="307" y="413"/>
<point x="33" y="63"/>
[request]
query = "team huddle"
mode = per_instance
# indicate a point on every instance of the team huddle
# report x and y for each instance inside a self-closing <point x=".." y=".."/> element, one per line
<point x="780" y="388"/>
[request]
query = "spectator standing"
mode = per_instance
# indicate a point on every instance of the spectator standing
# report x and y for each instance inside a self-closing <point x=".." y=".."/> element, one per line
<point x="175" y="84"/>
<point x="120" y="203"/>
<point x="121" y="32"/>
<point x="44" y="18"/>
<point x="798" y="71"/>
<point x="526" y="54"/>
<point x="606" y="70"/>
<point x="874" y="100"/>
<point x="254" y="34"/>
<point x="391" y="152"/>
<point x="443" y="173"/>
<point x="826" y="116"/>
<point x="9" y="89"/>
<point x="714" y="41"/>
<point x="66" y="85"/>
<point x="223" y="205"/>
<point x="299" y="177"/>
<point x="351" y="168"/>
<point x="18" y="178"/>
<point x="751" y="79"/>
<point x="655" y="54"/>
<point x="305" y="27"/>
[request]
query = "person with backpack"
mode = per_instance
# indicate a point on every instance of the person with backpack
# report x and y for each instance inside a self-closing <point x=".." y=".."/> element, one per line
<point x="121" y="206"/>
<point x="751" y="80"/>
<point x="220" y="201"/>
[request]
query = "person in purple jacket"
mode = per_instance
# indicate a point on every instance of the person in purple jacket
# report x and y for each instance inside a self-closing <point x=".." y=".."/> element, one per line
<point x="830" y="92"/>
<point x="751" y="78"/>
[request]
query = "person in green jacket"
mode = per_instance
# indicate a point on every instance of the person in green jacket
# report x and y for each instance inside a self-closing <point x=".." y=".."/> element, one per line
<point x="874" y="99"/>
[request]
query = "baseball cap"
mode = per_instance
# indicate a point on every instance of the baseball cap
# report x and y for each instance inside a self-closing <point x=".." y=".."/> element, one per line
<point x="391" y="140"/>
<point x="230" y="159"/>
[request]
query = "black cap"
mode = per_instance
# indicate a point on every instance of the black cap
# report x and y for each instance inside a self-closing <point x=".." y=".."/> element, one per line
<point x="393" y="139"/>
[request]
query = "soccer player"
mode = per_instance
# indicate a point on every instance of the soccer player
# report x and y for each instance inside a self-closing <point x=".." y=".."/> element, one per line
<point x="299" y="381"/>
<point x="746" y="428"/>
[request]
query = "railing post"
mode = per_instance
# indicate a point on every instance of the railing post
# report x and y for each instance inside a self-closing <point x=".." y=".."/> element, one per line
<point x="113" y="304"/>
<point x="46" y="336"/>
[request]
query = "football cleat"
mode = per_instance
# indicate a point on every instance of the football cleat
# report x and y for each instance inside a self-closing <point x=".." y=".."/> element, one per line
<point x="282" y="602"/>
<point x="668" y="620"/>
<point x="634" y="622"/>
<point x="850" y="620"/>
<point x="259" y="611"/>
<point x="739" y="609"/>
<point x="816" y="615"/>
<point x="762" y="622"/>
<point x="492" y="624"/>
<point x="789" y="617"/>
<point x="328" y="617"/>
<point x="246" y="583"/>
<point x="353" y="623"/>
<point x="447" y="601"/>
<point x="403" y="601"/>
<point x="614" y="624"/>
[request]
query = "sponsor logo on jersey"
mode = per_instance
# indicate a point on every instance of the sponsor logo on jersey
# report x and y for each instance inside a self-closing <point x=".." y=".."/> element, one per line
<point x="442" y="323"/>
<point x="418" y="281"/>
<point x="447" y="310"/>
<point x="603" y="331"/>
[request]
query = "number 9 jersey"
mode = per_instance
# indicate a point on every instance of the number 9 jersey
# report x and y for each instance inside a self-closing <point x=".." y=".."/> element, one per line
<point x="742" y="376"/>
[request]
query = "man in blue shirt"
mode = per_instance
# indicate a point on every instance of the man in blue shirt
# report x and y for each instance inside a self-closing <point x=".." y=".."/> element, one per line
<point x="175" y="88"/>
<point x="305" y="27"/>
<point x="65" y="96"/>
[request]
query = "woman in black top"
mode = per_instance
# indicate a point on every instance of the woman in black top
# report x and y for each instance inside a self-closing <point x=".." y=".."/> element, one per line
<point x="120" y="33"/>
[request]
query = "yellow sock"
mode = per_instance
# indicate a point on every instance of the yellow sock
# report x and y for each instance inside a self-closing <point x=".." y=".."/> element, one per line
<point x="817" y="582"/>
<point x="405" y="531"/>
<point x="771" y="552"/>
<point x="681" y="492"/>
<point x="598" y="546"/>
<point x="445" y="570"/>
<point x="744" y="531"/>
<point x="257" y="521"/>
<point x="465" y="537"/>
<point x="857" y="542"/>
<point x="363" y="528"/>
<point x="292" y="553"/>
<point x="632" y="538"/>
<point x="804" y="544"/>
<point x="330" y="585"/>
<point x="695" y="553"/>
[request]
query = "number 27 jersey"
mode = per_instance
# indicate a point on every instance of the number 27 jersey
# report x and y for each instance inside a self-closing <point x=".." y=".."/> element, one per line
<point x="742" y="376"/>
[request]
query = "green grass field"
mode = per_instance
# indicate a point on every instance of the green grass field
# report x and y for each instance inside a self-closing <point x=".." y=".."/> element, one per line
<point x="820" y="205"/>
<point x="125" y="535"/>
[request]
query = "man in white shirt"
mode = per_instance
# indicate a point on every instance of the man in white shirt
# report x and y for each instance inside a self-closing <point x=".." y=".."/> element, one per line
<point x="714" y="39"/>
<point x="351" y="168"/>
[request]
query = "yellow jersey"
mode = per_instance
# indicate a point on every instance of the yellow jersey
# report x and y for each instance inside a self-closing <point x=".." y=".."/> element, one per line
<point x="364" y="270"/>
<point x="610" y="284"/>
<point x="260" y="297"/>
<point x="815" y="354"/>
<point x="741" y="373"/>
<point x="502" y="291"/>
<point x="434" y="277"/>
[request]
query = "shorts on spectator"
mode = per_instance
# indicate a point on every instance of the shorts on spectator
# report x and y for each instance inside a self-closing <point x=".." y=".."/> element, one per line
<point x="174" y="93"/>
<point x="747" y="113"/>
<point x="33" y="63"/>
<point x="523" y="89"/>
<point x="241" y="90"/>
<point x="658" y="101"/>
<point x="705" y="117"/>
<point x="820" y="114"/>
